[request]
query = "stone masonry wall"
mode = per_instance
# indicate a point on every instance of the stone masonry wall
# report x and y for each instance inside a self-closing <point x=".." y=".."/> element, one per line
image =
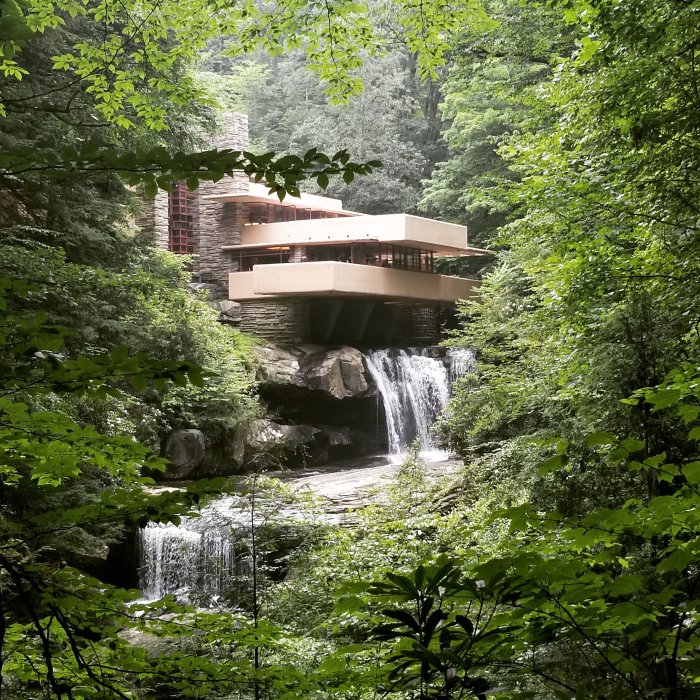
<point x="153" y="219"/>
<point x="215" y="224"/>
<point x="221" y="223"/>
<point x="284" y="320"/>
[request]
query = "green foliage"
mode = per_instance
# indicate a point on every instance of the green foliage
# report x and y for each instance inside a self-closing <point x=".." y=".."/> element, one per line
<point x="487" y="99"/>
<point x="587" y="332"/>
<point x="63" y="484"/>
<point x="289" y="112"/>
<point x="438" y="646"/>
<point x="597" y="604"/>
<point x="133" y="58"/>
<point x="580" y="428"/>
<point x="144" y="304"/>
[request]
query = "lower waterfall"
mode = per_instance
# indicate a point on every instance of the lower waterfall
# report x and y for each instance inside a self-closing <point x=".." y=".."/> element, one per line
<point x="199" y="555"/>
<point x="414" y="386"/>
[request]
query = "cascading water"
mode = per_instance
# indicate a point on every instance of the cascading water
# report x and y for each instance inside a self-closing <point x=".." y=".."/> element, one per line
<point x="200" y="559"/>
<point x="414" y="386"/>
<point x="197" y="555"/>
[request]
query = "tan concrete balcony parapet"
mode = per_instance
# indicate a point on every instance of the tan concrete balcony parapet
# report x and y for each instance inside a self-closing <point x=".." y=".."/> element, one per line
<point x="318" y="279"/>
<point x="397" y="229"/>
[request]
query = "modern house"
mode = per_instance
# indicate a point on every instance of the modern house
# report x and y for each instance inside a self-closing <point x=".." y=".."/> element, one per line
<point x="306" y="269"/>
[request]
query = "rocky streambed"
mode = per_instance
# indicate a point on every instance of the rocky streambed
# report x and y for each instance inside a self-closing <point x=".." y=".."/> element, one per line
<point x="323" y="404"/>
<point x="318" y="404"/>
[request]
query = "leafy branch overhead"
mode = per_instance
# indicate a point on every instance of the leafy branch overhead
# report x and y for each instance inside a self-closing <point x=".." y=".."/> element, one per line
<point x="136" y="55"/>
<point x="157" y="168"/>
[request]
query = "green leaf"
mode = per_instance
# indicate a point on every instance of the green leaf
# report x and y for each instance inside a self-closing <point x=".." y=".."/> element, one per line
<point x="349" y="604"/>
<point x="678" y="560"/>
<point x="150" y="189"/>
<point x="552" y="464"/>
<point x="663" y="398"/>
<point x="600" y="438"/>
<point x="632" y="445"/>
<point x="691" y="472"/>
<point x="332" y="664"/>
<point x="403" y="617"/>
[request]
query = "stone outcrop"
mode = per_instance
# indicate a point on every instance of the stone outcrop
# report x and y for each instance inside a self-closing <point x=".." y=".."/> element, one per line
<point x="275" y="445"/>
<point x="325" y="388"/>
<point x="318" y="406"/>
<point x="338" y="373"/>
<point x="212" y="291"/>
<point x="184" y="450"/>
<point x="229" y="311"/>
<point x="275" y="365"/>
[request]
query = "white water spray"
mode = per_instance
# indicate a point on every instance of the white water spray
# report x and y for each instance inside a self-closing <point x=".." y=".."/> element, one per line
<point x="197" y="555"/>
<point x="414" y="386"/>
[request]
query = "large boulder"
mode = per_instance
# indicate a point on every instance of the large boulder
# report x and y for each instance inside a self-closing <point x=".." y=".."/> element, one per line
<point x="212" y="291"/>
<point x="352" y="367"/>
<point x="336" y="437"/>
<point x="272" y="444"/>
<point x="229" y="311"/>
<point x="276" y="365"/>
<point x="319" y="386"/>
<point x="339" y="372"/>
<point x="184" y="450"/>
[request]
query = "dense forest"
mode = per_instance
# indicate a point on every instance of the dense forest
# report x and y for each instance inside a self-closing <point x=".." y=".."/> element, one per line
<point x="563" y="561"/>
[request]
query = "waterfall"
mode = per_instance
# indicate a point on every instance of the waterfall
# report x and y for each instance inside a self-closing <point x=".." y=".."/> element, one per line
<point x="414" y="386"/>
<point x="199" y="555"/>
<point x="460" y="362"/>
<point x="203" y="558"/>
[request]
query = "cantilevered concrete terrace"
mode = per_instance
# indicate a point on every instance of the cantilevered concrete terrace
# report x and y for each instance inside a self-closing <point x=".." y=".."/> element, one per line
<point x="398" y="229"/>
<point x="333" y="279"/>
<point x="309" y="246"/>
<point x="259" y="194"/>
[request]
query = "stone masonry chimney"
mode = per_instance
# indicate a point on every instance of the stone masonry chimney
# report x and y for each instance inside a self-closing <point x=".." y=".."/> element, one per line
<point x="212" y="224"/>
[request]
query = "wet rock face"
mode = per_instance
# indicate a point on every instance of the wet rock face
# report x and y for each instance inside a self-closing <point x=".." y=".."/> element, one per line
<point x="327" y="389"/>
<point x="184" y="450"/>
<point x="339" y="372"/>
<point x="274" y="445"/>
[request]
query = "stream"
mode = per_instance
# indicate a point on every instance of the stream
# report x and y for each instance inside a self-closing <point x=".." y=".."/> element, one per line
<point x="203" y="555"/>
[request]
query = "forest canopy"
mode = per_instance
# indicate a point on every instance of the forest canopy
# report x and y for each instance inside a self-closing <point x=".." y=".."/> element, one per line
<point x="564" y="562"/>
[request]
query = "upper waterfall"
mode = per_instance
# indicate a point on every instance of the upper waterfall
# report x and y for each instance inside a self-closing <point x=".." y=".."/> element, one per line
<point x="414" y="386"/>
